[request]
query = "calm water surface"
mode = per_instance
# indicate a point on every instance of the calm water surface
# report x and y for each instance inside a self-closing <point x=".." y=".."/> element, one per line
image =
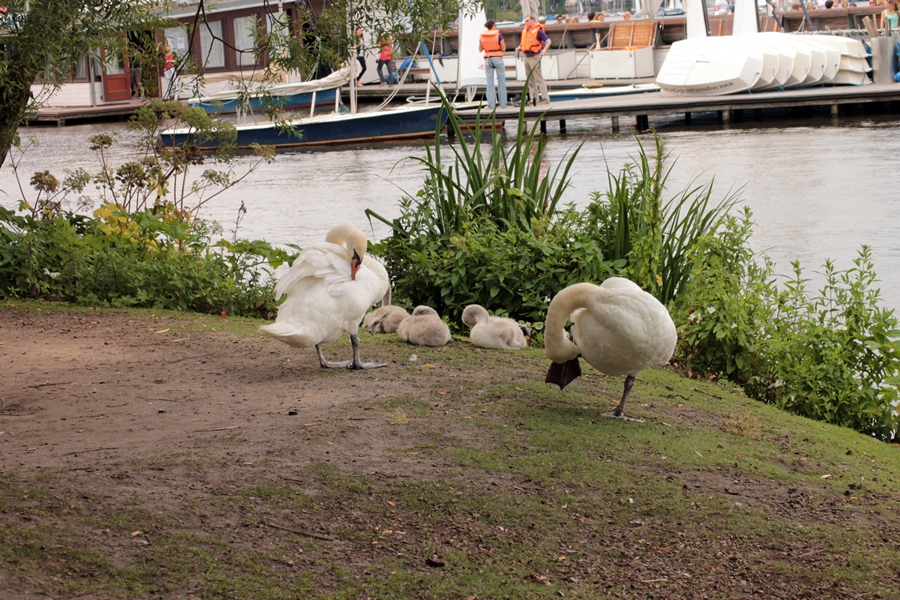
<point x="817" y="189"/>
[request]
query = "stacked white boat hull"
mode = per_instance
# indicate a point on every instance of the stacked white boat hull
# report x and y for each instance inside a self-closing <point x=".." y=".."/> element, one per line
<point x="759" y="62"/>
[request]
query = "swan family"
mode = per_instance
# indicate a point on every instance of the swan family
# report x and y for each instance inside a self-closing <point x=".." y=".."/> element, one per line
<point x="618" y="328"/>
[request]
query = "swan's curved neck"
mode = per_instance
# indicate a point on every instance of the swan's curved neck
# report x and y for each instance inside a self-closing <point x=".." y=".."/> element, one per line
<point x="556" y="346"/>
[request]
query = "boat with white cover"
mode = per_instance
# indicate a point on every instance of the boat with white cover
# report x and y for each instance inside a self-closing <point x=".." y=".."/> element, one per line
<point x="759" y="61"/>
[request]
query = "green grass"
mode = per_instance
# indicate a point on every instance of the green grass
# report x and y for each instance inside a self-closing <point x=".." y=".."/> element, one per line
<point x="536" y="496"/>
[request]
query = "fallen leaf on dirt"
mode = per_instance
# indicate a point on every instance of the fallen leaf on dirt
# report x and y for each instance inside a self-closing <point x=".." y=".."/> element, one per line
<point x="826" y="476"/>
<point x="163" y="330"/>
<point x="428" y="366"/>
<point x="134" y="533"/>
<point x="310" y="425"/>
<point x="442" y="393"/>
<point x="30" y="449"/>
<point x="81" y="431"/>
<point x="390" y="503"/>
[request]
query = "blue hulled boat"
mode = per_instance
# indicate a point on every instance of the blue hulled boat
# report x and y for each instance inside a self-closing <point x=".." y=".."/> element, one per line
<point x="403" y="122"/>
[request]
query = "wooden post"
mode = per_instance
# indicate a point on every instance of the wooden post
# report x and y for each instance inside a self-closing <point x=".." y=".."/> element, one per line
<point x="615" y="124"/>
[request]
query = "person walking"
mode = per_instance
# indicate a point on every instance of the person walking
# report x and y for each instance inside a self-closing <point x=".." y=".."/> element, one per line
<point x="492" y="44"/>
<point x="534" y="45"/>
<point x="385" y="58"/>
<point x="360" y="53"/>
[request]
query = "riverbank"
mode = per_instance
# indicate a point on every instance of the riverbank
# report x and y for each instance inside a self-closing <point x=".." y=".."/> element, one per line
<point x="184" y="456"/>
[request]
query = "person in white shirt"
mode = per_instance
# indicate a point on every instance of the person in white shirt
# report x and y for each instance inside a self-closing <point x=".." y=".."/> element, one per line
<point x="722" y="7"/>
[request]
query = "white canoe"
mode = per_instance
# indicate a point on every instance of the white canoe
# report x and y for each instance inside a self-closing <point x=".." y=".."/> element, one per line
<point x="702" y="66"/>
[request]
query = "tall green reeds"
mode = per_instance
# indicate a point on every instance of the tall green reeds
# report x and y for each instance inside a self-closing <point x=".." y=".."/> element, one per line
<point x="484" y="180"/>
<point x="649" y="237"/>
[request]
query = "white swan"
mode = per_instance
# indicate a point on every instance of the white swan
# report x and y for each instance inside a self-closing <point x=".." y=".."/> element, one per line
<point x="386" y="318"/>
<point x="329" y="288"/>
<point x="424" y="328"/>
<point x="497" y="333"/>
<point x="618" y="328"/>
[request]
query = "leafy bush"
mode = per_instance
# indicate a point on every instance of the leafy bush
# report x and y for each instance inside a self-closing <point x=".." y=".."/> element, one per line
<point x="510" y="271"/>
<point x="488" y="228"/>
<point x="142" y="259"/>
<point x="145" y="245"/>
<point x="727" y="309"/>
<point x="832" y="357"/>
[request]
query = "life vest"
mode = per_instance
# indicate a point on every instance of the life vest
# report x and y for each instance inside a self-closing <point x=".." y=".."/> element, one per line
<point x="490" y="43"/>
<point x="530" y="42"/>
<point x="386" y="52"/>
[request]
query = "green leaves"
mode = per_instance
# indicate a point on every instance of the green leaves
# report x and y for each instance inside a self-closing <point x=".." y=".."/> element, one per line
<point x="831" y="356"/>
<point x="135" y="259"/>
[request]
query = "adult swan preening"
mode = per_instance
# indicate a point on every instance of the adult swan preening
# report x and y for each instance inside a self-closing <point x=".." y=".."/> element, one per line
<point x="329" y="288"/>
<point x="618" y="328"/>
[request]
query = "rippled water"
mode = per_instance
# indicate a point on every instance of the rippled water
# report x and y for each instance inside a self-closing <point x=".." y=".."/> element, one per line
<point x="817" y="190"/>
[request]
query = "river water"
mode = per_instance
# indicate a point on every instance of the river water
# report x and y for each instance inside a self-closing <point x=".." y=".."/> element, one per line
<point x="818" y="189"/>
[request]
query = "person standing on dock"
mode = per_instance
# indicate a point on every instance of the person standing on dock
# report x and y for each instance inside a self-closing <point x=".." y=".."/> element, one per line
<point x="169" y="92"/>
<point x="890" y="18"/>
<point x="492" y="44"/>
<point x="360" y="53"/>
<point x="386" y="58"/>
<point x="534" y="45"/>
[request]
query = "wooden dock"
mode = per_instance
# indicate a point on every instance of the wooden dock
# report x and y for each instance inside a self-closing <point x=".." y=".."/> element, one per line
<point x="835" y="100"/>
<point x="62" y="115"/>
<point x="876" y="98"/>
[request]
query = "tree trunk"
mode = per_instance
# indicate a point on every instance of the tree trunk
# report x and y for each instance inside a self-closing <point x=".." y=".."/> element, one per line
<point x="34" y="44"/>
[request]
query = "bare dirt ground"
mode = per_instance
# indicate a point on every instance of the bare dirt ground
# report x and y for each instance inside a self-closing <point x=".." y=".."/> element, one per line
<point x="86" y="389"/>
<point x="100" y="393"/>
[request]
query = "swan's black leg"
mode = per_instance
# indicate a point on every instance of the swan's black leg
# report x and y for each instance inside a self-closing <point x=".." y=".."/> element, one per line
<point x="357" y="362"/>
<point x="331" y="365"/>
<point x="619" y="412"/>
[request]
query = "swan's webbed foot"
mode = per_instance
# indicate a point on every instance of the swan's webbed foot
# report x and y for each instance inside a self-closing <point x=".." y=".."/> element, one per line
<point x="619" y="412"/>
<point x="617" y="415"/>
<point x="562" y="374"/>
<point x="357" y="363"/>
<point x="343" y="364"/>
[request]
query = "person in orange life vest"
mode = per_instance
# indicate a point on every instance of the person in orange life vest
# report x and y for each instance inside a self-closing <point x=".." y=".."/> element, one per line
<point x="385" y="58"/>
<point x="534" y="45"/>
<point x="492" y="44"/>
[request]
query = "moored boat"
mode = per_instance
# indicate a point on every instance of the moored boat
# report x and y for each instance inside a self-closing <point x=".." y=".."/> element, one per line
<point x="403" y="122"/>
<point x="303" y="95"/>
<point x="588" y="92"/>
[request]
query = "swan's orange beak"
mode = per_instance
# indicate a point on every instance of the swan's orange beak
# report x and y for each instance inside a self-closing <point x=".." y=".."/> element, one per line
<point x="355" y="263"/>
